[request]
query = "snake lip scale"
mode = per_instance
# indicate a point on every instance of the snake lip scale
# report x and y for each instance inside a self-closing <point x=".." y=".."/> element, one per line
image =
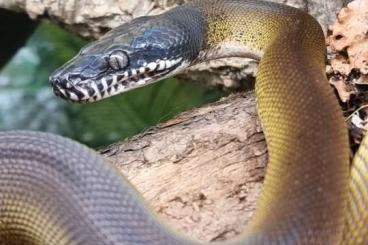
<point x="97" y="88"/>
<point x="55" y="191"/>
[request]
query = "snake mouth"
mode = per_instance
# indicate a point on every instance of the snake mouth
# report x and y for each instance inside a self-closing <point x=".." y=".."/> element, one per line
<point x="92" y="89"/>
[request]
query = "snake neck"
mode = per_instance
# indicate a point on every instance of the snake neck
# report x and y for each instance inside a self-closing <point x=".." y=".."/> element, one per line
<point x="246" y="28"/>
<point x="292" y="90"/>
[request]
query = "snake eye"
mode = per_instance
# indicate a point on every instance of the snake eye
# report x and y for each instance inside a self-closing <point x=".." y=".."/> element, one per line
<point x="118" y="60"/>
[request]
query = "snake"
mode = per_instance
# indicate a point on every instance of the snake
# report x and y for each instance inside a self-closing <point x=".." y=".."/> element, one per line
<point x="54" y="190"/>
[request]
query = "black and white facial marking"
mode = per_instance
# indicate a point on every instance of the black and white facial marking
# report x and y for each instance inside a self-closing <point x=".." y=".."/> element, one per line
<point x="117" y="78"/>
<point x="130" y="56"/>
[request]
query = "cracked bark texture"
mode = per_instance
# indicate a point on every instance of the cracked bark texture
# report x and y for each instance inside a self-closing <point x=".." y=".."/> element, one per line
<point x="202" y="171"/>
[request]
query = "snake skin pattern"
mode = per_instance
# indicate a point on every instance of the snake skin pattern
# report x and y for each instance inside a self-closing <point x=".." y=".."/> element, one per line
<point x="54" y="191"/>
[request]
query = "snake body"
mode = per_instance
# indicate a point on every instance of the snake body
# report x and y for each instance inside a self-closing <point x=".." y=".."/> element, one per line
<point x="55" y="191"/>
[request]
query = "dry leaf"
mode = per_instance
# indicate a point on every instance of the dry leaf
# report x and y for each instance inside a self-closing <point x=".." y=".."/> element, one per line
<point x="342" y="89"/>
<point x="349" y="34"/>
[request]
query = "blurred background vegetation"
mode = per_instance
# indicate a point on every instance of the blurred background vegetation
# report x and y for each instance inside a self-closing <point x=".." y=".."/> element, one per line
<point x="27" y="101"/>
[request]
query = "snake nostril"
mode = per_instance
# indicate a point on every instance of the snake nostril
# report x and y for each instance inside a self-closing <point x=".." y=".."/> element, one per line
<point x="54" y="81"/>
<point x="59" y="82"/>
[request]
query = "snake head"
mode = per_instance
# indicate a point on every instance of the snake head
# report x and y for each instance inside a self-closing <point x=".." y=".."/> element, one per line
<point x="132" y="55"/>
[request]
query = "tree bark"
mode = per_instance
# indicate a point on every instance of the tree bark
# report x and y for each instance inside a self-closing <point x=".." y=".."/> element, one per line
<point x="202" y="171"/>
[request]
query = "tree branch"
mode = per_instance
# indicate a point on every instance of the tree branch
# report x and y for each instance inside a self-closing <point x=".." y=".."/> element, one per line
<point x="202" y="170"/>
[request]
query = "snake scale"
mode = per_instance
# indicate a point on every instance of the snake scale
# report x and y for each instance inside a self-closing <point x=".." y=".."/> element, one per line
<point x="56" y="191"/>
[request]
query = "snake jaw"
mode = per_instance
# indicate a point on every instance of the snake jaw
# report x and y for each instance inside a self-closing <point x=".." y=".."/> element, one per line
<point x="91" y="90"/>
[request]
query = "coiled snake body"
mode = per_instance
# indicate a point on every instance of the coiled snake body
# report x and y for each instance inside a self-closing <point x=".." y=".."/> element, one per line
<point x="55" y="191"/>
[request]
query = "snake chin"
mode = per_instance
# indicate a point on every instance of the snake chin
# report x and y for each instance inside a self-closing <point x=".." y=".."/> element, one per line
<point x="91" y="90"/>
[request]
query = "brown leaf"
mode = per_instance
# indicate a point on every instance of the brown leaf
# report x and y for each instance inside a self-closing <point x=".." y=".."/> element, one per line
<point x="342" y="89"/>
